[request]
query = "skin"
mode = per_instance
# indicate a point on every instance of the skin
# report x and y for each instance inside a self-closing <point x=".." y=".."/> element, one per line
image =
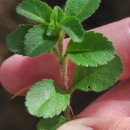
<point x="20" y="72"/>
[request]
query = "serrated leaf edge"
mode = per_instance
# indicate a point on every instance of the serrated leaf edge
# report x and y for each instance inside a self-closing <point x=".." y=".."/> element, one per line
<point x="42" y="22"/>
<point x="91" y="12"/>
<point x="26" y="38"/>
<point x="81" y="26"/>
<point x="88" y="15"/>
<point x="110" y="42"/>
<point x="75" y="86"/>
<point x="94" y="65"/>
<point x="13" y="32"/>
<point x="46" y="101"/>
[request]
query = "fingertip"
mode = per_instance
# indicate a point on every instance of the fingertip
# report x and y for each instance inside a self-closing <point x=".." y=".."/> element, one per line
<point x="98" y="123"/>
<point x="8" y="76"/>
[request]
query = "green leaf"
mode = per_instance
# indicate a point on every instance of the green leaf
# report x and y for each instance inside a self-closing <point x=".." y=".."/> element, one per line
<point x="15" y="40"/>
<point x="82" y="9"/>
<point x="45" y="99"/>
<point x="94" y="50"/>
<point x="54" y="51"/>
<point x="51" y="124"/>
<point x="56" y="16"/>
<point x="35" y="10"/>
<point x="52" y="30"/>
<point x="37" y="42"/>
<point x="97" y="78"/>
<point x="73" y="28"/>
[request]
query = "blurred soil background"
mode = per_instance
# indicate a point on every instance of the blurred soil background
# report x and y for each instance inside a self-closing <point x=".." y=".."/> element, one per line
<point x="13" y="114"/>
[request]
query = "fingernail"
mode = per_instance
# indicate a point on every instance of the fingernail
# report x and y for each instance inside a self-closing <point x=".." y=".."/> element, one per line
<point x="75" y="127"/>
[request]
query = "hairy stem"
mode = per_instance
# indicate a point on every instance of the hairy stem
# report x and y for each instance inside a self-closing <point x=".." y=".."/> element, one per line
<point x="62" y="59"/>
<point x="64" y="76"/>
<point x="68" y="113"/>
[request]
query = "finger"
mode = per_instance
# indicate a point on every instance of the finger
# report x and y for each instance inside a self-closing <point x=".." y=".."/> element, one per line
<point x="97" y="123"/>
<point x="19" y="72"/>
<point x="115" y="102"/>
<point x="119" y="34"/>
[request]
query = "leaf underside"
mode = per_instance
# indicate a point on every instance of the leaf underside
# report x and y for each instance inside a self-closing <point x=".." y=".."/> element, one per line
<point x="51" y="124"/>
<point x="94" y="50"/>
<point x="97" y="78"/>
<point x="44" y="99"/>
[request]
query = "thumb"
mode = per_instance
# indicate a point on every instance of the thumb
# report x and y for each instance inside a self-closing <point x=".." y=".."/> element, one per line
<point x="98" y="123"/>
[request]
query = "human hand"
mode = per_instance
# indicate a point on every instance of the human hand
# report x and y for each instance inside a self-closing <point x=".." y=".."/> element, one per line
<point x="20" y="72"/>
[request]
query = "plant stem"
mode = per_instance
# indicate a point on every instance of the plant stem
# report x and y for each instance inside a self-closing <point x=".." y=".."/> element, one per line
<point x="64" y="75"/>
<point x="68" y="113"/>
<point x="62" y="60"/>
<point x="71" y="91"/>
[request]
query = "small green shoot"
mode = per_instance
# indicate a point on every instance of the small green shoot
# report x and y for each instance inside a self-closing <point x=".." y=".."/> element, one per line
<point x="97" y="65"/>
